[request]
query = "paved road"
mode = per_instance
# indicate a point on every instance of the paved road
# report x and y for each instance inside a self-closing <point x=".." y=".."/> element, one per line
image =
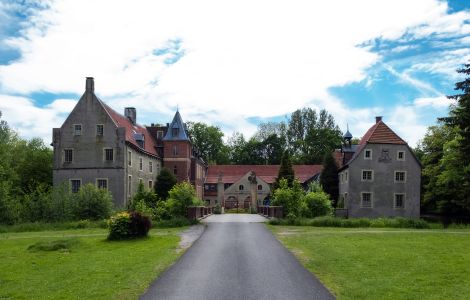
<point x="237" y="260"/>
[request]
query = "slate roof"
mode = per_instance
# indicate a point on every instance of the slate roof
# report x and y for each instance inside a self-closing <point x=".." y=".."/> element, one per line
<point x="131" y="129"/>
<point x="179" y="124"/>
<point x="268" y="173"/>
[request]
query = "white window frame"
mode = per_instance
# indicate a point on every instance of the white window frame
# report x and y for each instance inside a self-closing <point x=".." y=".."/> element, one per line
<point x="102" y="130"/>
<point x="129" y="158"/>
<point x="104" y="154"/>
<point x="75" y="131"/>
<point x="371" y="176"/>
<point x="398" y="155"/>
<point x="75" y="179"/>
<point x="64" y="160"/>
<point x="105" y="179"/>
<point x="395" y="201"/>
<point x="370" y="151"/>
<point x="150" y="166"/>
<point x="129" y="185"/>
<point x="371" y="200"/>
<point x="395" y="176"/>
<point x="141" y="163"/>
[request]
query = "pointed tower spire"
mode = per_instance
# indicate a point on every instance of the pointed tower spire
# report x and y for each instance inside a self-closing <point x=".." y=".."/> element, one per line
<point x="177" y="130"/>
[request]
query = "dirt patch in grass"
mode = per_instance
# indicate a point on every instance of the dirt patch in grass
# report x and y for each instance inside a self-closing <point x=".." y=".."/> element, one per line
<point x="57" y="245"/>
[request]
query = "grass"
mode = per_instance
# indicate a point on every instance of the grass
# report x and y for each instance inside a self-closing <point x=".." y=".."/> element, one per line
<point x="43" y="226"/>
<point x="384" y="263"/>
<point x="237" y="211"/>
<point x="81" y="263"/>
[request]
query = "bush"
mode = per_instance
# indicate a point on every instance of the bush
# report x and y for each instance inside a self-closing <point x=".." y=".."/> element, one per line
<point x="217" y="209"/>
<point x="180" y="197"/>
<point x="174" y="222"/>
<point x="127" y="225"/>
<point x="289" y="198"/>
<point x="315" y="204"/>
<point x="92" y="203"/>
<point x="145" y="196"/>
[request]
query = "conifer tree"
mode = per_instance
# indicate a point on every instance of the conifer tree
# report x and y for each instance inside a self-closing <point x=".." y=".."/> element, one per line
<point x="329" y="178"/>
<point x="285" y="171"/>
<point x="165" y="182"/>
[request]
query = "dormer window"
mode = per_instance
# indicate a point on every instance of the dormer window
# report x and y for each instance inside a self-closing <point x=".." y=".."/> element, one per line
<point x="159" y="135"/>
<point x="174" y="132"/>
<point x="77" y="129"/>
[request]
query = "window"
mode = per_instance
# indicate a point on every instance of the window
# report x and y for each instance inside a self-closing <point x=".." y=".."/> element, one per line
<point x="109" y="154"/>
<point x="260" y="187"/>
<point x="75" y="185"/>
<point x="399" y="201"/>
<point x="68" y="155"/>
<point x="150" y="167"/>
<point x="346" y="176"/>
<point x="340" y="178"/>
<point x="368" y="154"/>
<point x="99" y="129"/>
<point x="150" y="184"/>
<point x="141" y="163"/>
<point x="175" y="150"/>
<point x="129" y="158"/>
<point x="174" y="131"/>
<point x="241" y="187"/>
<point x="102" y="183"/>
<point x="175" y="170"/>
<point x="129" y="185"/>
<point x="367" y="175"/>
<point x="158" y="168"/>
<point x="366" y="200"/>
<point x="77" y="129"/>
<point x="159" y="135"/>
<point x="401" y="155"/>
<point x="400" y="176"/>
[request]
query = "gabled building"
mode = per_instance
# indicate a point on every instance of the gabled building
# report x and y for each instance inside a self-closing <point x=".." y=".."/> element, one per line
<point x="380" y="176"/>
<point x="230" y="186"/>
<point x="100" y="146"/>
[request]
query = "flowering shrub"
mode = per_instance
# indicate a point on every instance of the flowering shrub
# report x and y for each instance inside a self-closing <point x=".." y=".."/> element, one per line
<point x="128" y="225"/>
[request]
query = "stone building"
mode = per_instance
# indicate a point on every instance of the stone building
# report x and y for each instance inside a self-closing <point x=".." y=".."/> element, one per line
<point x="380" y="176"/>
<point x="230" y="186"/>
<point x="100" y="146"/>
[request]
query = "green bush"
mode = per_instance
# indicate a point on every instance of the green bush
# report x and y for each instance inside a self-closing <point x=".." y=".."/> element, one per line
<point x="316" y="204"/>
<point x="289" y="198"/>
<point x="92" y="203"/>
<point x="145" y="196"/>
<point x="127" y="225"/>
<point x="180" y="197"/>
<point x="217" y="209"/>
<point x="174" y="222"/>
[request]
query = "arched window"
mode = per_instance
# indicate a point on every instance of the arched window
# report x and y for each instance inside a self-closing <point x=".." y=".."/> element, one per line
<point x="241" y="187"/>
<point x="260" y="187"/>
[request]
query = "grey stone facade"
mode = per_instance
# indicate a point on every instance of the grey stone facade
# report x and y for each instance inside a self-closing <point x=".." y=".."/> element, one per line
<point x="382" y="178"/>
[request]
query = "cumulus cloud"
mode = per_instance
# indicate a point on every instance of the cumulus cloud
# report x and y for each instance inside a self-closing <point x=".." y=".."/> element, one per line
<point x="218" y="62"/>
<point x="436" y="102"/>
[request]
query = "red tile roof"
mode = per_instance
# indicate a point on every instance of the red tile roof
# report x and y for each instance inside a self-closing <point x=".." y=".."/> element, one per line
<point x="233" y="173"/>
<point x="122" y="121"/>
<point x="380" y="133"/>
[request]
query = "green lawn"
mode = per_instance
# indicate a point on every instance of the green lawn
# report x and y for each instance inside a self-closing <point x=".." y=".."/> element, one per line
<point x="92" y="267"/>
<point x="384" y="263"/>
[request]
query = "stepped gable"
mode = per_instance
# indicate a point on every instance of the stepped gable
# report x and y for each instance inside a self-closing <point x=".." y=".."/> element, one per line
<point x="122" y="121"/>
<point x="268" y="173"/>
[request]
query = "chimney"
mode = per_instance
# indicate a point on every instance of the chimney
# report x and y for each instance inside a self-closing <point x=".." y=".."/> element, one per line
<point x="130" y="113"/>
<point x="90" y="85"/>
<point x="378" y="119"/>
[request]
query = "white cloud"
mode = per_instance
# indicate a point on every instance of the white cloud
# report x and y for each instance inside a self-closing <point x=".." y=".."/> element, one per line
<point x="436" y="102"/>
<point x="242" y="59"/>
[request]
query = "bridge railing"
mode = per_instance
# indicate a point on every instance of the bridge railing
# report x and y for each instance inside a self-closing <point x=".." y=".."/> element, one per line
<point x="199" y="212"/>
<point x="271" y="211"/>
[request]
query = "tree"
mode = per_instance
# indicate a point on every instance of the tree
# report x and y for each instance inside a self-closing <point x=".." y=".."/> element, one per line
<point x="285" y="171"/>
<point x="208" y="140"/>
<point x="329" y="178"/>
<point x="164" y="183"/>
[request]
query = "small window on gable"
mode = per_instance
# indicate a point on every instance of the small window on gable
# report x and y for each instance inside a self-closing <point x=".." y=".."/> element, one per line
<point x="241" y="187"/>
<point x="401" y="155"/>
<point x="99" y="129"/>
<point x="174" y="132"/>
<point x="368" y="154"/>
<point x="399" y="201"/>
<point x="400" y="176"/>
<point x="68" y="155"/>
<point x="366" y="200"/>
<point x="77" y="129"/>
<point x="260" y="187"/>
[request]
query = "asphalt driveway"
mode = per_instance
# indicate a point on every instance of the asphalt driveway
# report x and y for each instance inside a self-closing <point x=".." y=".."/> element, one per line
<point x="237" y="259"/>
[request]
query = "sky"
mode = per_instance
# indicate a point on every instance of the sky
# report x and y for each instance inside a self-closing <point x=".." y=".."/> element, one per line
<point x="234" y="64"/>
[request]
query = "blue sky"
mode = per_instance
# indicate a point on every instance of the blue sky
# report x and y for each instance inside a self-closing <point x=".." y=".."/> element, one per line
<point x="233" y="64"/>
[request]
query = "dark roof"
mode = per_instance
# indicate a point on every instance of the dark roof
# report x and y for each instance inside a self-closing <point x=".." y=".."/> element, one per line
<point x="347" y="135"/>
<point x="132" y="131"/>
<point x="181" y="134"/>
<point x="268" y="173"/>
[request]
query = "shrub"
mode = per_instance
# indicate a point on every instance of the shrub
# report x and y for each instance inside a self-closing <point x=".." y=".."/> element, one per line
<point x="289" y="198"/>
<point x="92" y="203"/>
<point x="316" y="204"/>
<point x="174" y="222"/>
<point x="180" y="197"/>
<point x="217" y="209"/>
<point x="143" y="195"/>
<point x="127" y="225"/>
<point x="162" y="211"/>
